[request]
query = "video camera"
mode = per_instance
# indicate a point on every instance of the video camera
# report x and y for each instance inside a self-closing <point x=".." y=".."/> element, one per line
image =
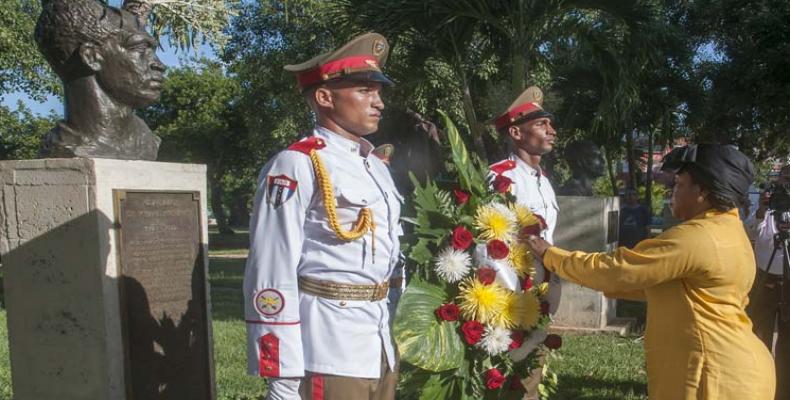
<point x="779" y="202"/>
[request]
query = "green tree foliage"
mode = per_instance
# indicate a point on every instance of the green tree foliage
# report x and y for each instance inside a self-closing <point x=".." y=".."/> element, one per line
<point x="742" y="74"/>
<point x="22" y="68"/>
<point x="266" y="36"/>
<point x="187" y="22"/>
<point x="21" y="132"/>
<point x="198" y="120"/>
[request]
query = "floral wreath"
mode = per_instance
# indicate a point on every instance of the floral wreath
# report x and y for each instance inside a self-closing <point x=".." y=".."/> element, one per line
<point x="472" y="322"/>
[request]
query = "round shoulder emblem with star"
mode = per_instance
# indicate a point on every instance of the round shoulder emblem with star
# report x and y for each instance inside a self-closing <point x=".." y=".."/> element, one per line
<point x="269" y="302"/>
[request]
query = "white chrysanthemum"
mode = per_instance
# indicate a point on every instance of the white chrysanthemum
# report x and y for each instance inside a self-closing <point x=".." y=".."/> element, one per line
<point x="452" y="265"/>
<point x="495" y="340"/>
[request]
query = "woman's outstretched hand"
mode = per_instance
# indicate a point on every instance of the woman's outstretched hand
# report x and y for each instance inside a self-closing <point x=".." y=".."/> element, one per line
<point x="537" y="245"/>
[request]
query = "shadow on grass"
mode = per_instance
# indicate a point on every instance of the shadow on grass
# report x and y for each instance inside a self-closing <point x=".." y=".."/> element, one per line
<point x="633" y="309"/>
<point x="591" y="388"/>
<point x="2" y="291"/>
<point x="226" y="276"/>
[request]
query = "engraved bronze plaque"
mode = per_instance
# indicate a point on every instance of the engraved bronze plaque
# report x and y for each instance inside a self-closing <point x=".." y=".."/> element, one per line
<point x="164" y="299"/>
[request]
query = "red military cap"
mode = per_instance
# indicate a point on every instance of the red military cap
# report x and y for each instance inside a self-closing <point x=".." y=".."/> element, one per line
<point x="360" y="59"/>
<point x="529" y="105"/>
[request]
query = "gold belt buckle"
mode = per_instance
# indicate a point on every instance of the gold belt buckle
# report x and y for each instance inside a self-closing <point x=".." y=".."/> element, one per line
<point x="344" y="291"/>
<point x="380" y="291"/>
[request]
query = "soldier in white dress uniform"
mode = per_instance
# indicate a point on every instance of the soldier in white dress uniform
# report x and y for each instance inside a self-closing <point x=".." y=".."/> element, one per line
<point x="323" y="270"/>
<point x="531" y="133"/>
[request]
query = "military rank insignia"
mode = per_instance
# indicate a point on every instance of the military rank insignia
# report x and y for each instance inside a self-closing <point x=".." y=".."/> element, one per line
<point x="280" y="189"/>
<point x="269" y="302"/>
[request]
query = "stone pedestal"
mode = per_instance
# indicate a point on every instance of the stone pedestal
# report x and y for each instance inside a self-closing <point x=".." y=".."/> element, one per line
<point x="105" y="279"/>
<point x="588" y="224"/>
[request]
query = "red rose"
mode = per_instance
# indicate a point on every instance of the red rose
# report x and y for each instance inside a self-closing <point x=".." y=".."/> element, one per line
<point x="494" y="379"/>
<point x="502" y="184"/>
<point x="553" y="341"/>
<point x="448" y="312"/>
<point x="527" y="284"/>
<point x="462" y="238"/>
<point x="517" y="339"/>
<point x="461" y="196"/>
<point x="486" y="275"/>
<point x="497" y="249"/>
<point x="544" y="307"/>
<point x="473" y="332"/>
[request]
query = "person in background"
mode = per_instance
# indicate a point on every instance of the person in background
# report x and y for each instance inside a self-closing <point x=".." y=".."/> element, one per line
<point x="634" y="220"/>
<point x="764" y="308"/>
<point x="695" y="277"/>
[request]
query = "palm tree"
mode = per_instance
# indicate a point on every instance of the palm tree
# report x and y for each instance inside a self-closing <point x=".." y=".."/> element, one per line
<point x="517" y="33"/>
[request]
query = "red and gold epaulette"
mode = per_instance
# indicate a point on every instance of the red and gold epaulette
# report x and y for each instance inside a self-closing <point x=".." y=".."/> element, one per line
<point x="307" y="145"/>
<point x="502" y="166"/>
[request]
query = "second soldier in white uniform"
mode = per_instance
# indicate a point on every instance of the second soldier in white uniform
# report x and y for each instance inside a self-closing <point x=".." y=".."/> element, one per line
<point x="531" y="134"/>
<point x="325" y="242"/>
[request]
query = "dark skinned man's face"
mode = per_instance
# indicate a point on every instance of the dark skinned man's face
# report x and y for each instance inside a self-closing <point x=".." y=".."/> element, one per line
<point x="131" y="73"/>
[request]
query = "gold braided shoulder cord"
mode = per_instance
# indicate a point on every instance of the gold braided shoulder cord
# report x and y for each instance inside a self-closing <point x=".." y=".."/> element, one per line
<point x="364" y="221"/>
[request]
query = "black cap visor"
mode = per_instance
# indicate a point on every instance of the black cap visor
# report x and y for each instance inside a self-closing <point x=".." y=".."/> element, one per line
<point x="365" y="76"/>
<point x="534" y="115"/>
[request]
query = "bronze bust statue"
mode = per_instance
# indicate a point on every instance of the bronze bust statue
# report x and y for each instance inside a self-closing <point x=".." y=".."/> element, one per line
<point x="586" y="163"/>
<point x="108" y="64"/>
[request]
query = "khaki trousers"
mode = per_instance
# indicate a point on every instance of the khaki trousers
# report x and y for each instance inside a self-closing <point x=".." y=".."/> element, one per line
<point x="764" y="312"/>
<point x="332" y="387"/>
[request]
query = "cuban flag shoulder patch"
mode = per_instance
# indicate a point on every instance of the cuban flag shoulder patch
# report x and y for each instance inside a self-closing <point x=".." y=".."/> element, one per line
<point x="280" y="189"/>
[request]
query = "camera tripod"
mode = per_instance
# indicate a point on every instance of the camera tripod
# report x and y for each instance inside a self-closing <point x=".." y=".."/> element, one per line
<point x="781" y="242"/>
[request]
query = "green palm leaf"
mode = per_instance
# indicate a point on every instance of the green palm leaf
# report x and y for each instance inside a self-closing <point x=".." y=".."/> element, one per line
<point x="423" y="340"/>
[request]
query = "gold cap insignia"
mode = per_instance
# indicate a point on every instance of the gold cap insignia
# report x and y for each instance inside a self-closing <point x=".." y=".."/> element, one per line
<point x="533" y="94"/>
<point x="379" y="47"/>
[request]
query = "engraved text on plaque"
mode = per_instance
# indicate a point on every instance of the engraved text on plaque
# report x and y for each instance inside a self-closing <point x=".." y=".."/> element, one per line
<point x="163" y="296"/>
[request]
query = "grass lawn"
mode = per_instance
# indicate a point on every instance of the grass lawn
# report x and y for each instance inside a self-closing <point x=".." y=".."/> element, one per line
<point x="594" y="367"/>
<point x="600" y="367"/>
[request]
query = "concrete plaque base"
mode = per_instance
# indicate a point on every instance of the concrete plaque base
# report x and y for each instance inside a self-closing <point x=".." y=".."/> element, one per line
<point x="588" y="224"/>
<point x="59" y="241"/>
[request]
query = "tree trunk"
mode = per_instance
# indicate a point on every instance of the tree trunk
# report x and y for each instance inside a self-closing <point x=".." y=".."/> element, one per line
<point x="610" y="170"/>
<point x="217" y="193"/>
<point x="469" y="107"/>
<point x="518" y="76"/>
<point x="239" y="211"/>
<point x="629" y="156"/>
<point x="474" y="126"/>
<point x="649" y="175"/>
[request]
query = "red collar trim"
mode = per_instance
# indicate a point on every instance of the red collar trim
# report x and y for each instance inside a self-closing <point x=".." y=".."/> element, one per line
<point x="502" y="166"/>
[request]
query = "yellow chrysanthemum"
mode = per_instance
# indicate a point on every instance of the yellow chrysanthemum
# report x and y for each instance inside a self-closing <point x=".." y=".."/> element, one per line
<point x="524" y="309"/>
<point x="495" y="221"/>
<point x="524" y="216"/>
<point x="487" y="304"/>
<point x="521" y="259"/>
<point x="541" y="290"/>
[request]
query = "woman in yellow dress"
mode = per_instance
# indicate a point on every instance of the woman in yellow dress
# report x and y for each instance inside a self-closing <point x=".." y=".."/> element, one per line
<point x="695" y="278"/>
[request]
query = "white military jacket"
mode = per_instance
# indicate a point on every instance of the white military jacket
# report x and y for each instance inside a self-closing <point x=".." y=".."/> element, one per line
<point x="289" y="332"/>
<point x="532" y="189"/>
